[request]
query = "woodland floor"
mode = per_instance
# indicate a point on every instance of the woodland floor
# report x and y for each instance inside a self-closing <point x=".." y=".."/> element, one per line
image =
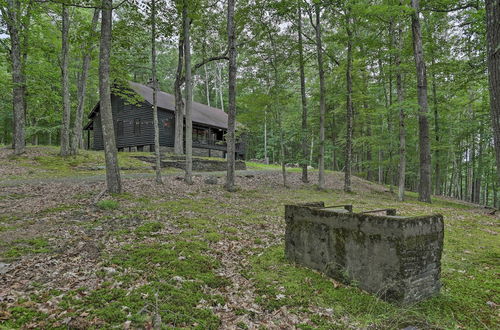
<point x="200" y="257"/>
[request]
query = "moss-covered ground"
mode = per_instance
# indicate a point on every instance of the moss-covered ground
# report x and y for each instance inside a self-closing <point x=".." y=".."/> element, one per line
<point x="179" y="256"/>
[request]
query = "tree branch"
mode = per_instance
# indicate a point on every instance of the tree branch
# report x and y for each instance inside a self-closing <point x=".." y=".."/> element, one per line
<point x="449" y="10"/>
<point x="211" y="59"/>
<point x="71" y="4"/>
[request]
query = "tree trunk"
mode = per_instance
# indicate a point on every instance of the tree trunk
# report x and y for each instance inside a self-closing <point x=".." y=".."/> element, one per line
<point x="305" y="152"/>
<point x="112" y="169"/>
<point x="219" y="74"/>
<point x="155" y="93"/>
<point x="266" y="158"/>
<point x="231" y="121"/>
<point x="424" y="187"/>
<point x="493" y="45"/>
<point x="207" y="88"/>
<point x="179" y="103"/>
<point x="322" y="102"/>
<point x="437" y="168"/>
<point x="12" y="17"/>
<point x="77" y="138"/>
<point x="66" y="117"/>
<point x="402" y="130"/>
<point x="349" y="108"/>
<point x="189" y="91"/>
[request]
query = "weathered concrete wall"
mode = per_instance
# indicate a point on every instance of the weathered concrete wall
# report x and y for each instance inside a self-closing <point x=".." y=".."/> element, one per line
<point x="396" y="258"/>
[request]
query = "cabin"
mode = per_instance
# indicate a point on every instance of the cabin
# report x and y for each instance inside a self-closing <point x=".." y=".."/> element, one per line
<point x="134" y="128"/>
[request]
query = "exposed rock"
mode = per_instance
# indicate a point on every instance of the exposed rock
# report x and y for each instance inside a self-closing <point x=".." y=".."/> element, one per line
<point x="4" y="268"/>
<point x="211" y="180"/>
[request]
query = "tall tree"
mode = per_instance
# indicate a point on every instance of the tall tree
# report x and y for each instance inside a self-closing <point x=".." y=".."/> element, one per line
<point x="189" y="93"/>
<point x="305" y="150"/>
<point x="349" y="105"/>
<point x="66" y="118"/>
<point x="77" y="136"/>
<point x="322" y="101"/>
<point x="179" y="103"/>
<point x="12" y="15"/>
<point x="155" y="93"/>
<point x="113" y="179"/>
<point x="424" y="187"/>
<point x="493" y="41"/>
<point x="231" y="143"/>
<point x="402" y="129"/>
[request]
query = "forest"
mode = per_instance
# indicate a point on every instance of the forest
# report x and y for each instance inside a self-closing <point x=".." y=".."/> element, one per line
<point x="294" y="164"/>
<point x="391" y="91"/>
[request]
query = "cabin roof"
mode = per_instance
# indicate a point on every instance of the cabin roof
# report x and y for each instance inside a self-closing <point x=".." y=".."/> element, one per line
<point x="201" y="113"/>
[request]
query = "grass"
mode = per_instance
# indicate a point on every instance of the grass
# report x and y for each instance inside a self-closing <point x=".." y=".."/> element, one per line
<point x="171" y="287"/>
<point x="270" y="167"/>
<point x="45" y="161"/>
<point x="108" y="204"/>
<point x="21" y="247"/>
<point x="167" y="264"/>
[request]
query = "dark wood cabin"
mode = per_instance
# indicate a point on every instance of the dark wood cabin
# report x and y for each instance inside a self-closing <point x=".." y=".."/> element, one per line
<point x="134" y="128"/>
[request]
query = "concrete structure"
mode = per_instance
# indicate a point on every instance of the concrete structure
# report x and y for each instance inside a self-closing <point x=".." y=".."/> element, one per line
<point x="397" y="258"/>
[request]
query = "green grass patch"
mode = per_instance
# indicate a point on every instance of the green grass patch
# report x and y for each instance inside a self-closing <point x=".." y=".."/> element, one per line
<point x="172" y="278"/>
<point x="19" y="316"/>
<point x="22" y="247"/>
<point x="108" y="204"/>
<point x="148" y="228"/>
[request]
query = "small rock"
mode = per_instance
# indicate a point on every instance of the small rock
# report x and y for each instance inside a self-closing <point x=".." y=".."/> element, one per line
<point x="178" y="279"/>
<point x="109" y="270"/>
<point x="4" y="268"/>
<point x="211" y="180"/>
<point x="491" y="304"/>
<point x="249" y="176"/>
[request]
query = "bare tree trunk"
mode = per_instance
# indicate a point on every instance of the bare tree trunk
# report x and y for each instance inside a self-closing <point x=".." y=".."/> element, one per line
<point x="155" y="93"/>
<point x="305" y="152"/>
<point x="322" y="102"/>
<point x="207" y="89"/>
<point x="12" y="16"/>
<point x="113" y="179"/>
<point x="349" y="106"/>
<point x="179" y="103"/>
<point x="189" y="91"/>
<point x="219" y="74"/>
<point x="424" y="187"/>
<point x="77" y="138"/>
<point x="231" y="41"/>
<point x="402" y="129"/>
<point x="66" y="118"/>
<point x="266" y="158"/>
<point x="437" y="168"/>
<point x="493" y="41"/>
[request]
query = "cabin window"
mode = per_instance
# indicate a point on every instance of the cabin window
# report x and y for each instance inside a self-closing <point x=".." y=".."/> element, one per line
<point x="119" y="127"/>
<point x="137" y="127"/>
<point x="200" y="135"/>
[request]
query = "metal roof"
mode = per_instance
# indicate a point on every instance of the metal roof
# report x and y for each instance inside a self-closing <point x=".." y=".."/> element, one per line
<point x="201" y="113"/>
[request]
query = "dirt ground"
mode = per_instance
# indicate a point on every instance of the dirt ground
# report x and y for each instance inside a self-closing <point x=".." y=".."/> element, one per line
<point x="57" y="239"/>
